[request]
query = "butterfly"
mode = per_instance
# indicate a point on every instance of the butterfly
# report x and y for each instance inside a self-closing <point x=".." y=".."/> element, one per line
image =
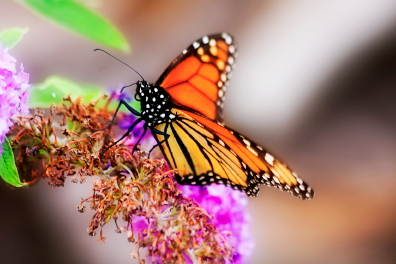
<point x="184" y="112"/>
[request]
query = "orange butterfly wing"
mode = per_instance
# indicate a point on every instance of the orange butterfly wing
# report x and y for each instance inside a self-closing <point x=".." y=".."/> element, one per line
<point x="198" y="78"/>
<point x="206" y="152"/>
<point x="198" y="145"/>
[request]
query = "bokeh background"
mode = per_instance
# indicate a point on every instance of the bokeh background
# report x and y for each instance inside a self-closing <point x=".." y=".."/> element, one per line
<point x="315" y="84"/>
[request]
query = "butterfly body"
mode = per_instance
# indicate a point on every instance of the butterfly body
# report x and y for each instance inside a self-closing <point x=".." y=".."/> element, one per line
<point x="155" y="107"/>
<point x="183" y="110"/>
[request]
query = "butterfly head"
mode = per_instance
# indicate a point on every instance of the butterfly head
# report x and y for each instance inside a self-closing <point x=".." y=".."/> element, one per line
<point x="142" y="89"/>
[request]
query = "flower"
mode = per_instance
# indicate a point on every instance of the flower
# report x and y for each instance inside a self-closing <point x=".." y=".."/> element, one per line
<point x="14" y="92"/>
<point x="230" y="214"/>
<point x="137" y="193"/>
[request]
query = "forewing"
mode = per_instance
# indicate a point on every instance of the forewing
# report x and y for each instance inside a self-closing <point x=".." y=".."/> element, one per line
<point x="198" y="78"/>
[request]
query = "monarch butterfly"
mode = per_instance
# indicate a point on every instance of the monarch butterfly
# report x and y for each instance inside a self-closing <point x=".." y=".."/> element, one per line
<point x="183" y="110"/>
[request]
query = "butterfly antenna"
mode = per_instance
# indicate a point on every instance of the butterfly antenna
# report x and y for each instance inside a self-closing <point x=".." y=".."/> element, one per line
<point x="121" y="62"/>
<point x="126" y="86"/>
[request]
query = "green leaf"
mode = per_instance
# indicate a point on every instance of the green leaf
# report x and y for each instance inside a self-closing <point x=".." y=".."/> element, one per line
<point x="8" y="170"/>
<point x="55" y="88"/>
<point x="80" y="19"/>
<point x="10" y="37"/>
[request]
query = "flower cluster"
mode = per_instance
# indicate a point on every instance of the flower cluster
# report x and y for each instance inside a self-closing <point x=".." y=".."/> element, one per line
<point x="129" y="187"/>
<point x="172" y="228"/>
<point x="230" y="214"/>
<point x="14" y="92"/>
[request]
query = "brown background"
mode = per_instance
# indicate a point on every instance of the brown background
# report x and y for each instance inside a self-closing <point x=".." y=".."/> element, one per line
<point x="315" y="83"/>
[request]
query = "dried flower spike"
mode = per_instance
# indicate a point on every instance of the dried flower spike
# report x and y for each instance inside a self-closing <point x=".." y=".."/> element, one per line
<point x="128" y="188"/>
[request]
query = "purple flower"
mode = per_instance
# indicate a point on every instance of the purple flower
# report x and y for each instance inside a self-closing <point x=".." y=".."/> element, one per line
<point x="14" y="92"/>
<point x="229" y="208"/>
<point x="117" y="95"/>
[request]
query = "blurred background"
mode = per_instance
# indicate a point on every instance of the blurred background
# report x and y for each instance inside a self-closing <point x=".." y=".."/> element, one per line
<point x="315" y="84"/>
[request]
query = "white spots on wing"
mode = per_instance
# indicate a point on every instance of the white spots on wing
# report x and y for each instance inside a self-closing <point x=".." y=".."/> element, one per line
<point x="274" y="172"/>
<point x="184" y="51"/>
<point x="231" y="48"/>
<point x="154" y="99"/>
<point x="299" y="180"/>
<point x="155" y="89"/>
<point x="172" y="116"/>
<point x="231" y="60"/>
<point x="195" y="45"/>
<point x="212" y="42"/>
<point x="276" y="179"/>
<point x="221" y="93"/>
<point x="269" y="158"/>
<point x="247" y="142"/>
<point x="252" y="150"/>
<point x="219" y="84"/>
<point x="163" y="115"/>
<point x="147" y="106"/>
<point x="224" y="35"/>
<point x="223" y="77"/>
<point x="228" y="68"/>
<point x="227" y="38"/>
<point x="221" y="143"/>
<point x="205" y="39"/>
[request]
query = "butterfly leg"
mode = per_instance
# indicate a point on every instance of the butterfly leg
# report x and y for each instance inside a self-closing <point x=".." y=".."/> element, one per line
<point x="140" y="138"/>
<point x="122" y="102"/>
<point x="137" y="121"/>
<point x="159" y="143"/>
